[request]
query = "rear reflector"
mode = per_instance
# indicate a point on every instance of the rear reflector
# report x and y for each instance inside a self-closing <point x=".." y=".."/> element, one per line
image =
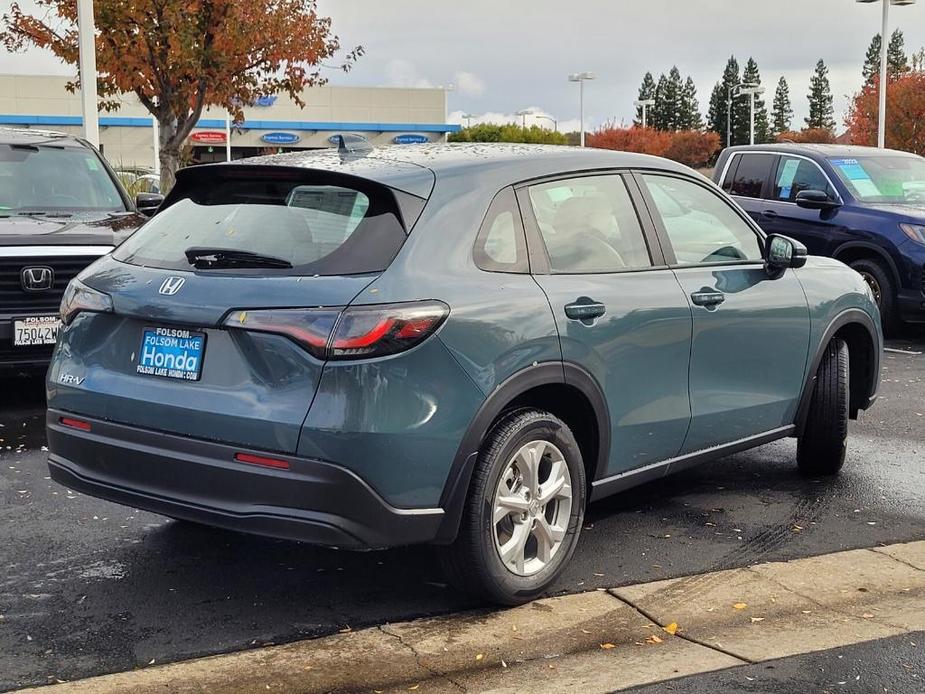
<point x="75" y="423"/>
<point x="260" y="460"/>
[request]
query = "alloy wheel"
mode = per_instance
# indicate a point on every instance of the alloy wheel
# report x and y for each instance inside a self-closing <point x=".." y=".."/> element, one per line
<point x="874" y="286"/>
<point x="532" y="507"/>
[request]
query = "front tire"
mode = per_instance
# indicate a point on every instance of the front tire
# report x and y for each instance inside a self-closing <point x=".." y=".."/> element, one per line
<point x="822" y="447"/>
<point x="880" y="281"/>
<point x="524" y="510"/>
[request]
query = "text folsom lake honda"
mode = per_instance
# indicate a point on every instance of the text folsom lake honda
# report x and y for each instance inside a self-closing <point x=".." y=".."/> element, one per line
<point x="458" y="345"/>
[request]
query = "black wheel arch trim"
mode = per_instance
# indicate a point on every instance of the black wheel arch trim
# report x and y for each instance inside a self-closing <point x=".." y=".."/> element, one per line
<point x="879" y="251"/>
<point x="846" y="317"/>
<point x="456" y="487"/>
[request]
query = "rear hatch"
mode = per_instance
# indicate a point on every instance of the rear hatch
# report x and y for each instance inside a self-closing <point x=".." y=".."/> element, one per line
<point x="230" y="242"/>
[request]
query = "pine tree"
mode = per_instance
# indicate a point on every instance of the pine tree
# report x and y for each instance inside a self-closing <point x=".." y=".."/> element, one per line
<point x="668" y="94"/>
<point x="752" y="76"/>
<point x="821" y="112"/>
<point x="646" y="92"/>
<point x="689" y="117"/>
<point x="719" y="112"/>
<point x="782" y="109"/>
<point x="896" y="60"/>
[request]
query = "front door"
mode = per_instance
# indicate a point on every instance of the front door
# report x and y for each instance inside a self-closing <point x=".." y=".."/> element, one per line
<point x="619" y="310"/>
<point x="750" y="333"/>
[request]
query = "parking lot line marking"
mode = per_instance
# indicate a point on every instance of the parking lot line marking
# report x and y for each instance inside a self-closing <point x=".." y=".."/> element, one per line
<point x="893" y="350"/>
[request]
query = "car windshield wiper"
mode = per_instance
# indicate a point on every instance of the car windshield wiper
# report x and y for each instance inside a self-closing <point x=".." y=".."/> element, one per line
<point x="33" y="213"/>
<point x="204" y="258"/>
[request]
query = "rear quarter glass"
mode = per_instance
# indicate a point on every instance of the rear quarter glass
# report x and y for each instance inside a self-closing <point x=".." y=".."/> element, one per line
<point x="319" y="226"/>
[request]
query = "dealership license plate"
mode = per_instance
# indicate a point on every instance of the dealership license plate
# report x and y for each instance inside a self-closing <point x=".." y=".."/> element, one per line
<point x="35" y="330"/>
<point x="171" y="353"/>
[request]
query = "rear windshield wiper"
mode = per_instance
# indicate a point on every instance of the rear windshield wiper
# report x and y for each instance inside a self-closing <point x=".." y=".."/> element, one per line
<point x="205" y="258"/>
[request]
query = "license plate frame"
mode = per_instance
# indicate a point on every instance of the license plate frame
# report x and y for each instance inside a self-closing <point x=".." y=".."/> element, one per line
<point x="175" y="347"/>
<point x="43" y="323"/>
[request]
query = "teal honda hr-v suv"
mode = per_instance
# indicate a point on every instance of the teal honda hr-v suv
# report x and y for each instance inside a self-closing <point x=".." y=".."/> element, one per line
<point x="457" y="345"/>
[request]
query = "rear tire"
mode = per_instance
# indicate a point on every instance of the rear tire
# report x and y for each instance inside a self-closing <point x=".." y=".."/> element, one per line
<point x="524" y="510"/>
<point x="821" y="449"/>
<point x="881" y="283"/>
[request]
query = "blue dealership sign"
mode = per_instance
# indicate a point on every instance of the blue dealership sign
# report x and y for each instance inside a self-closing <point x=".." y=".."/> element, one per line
<point x="280" y="138"/>
<point x="410" y="139"/>
<point x="265" y="101"/>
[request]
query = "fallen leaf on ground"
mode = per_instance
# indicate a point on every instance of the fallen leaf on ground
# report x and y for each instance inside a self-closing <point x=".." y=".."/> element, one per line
<point x="479" y="656"/>
<point x="671" y="628"/>
<point x="740" y="605"/>
<point x="607" y="646"/>
<point x="757" y="619"/>
<point x="653" y="639"/>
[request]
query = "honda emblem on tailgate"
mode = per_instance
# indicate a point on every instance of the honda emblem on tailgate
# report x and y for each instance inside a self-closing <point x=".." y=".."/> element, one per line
<point x="171" y="285"/>
<point x="37" y="279"/>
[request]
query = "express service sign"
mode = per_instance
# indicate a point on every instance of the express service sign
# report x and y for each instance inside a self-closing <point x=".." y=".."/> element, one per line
<point x="410" y="139"/>
<point x="280" y="138"/>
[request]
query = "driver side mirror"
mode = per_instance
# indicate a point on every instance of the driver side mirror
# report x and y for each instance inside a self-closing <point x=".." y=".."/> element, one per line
<point x="147" y="203"/>
<point x="815" y="200"/>
<point x="783" y="252"/>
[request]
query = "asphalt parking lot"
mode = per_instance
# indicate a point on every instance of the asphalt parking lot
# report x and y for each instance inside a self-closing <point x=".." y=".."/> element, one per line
<point x="88" y="587"/>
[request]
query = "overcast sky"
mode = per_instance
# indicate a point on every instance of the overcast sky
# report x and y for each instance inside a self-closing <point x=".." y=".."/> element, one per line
<point x="507" y="55"/>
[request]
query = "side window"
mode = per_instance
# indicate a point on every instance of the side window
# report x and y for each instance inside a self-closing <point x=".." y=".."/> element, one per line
<point x="702" y="227"/>
<point x="748" y="175"/>
<point x="795" y="175"/>
<point x="589" y="225"/>
<point x="500" y="245"/>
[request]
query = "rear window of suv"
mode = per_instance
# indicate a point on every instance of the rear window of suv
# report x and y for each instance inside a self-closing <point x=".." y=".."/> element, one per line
<point x="320" y="227"/>
<point x="747" y="174"/>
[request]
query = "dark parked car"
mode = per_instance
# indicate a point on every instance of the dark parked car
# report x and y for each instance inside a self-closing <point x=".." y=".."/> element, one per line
<point x="863" y="206"/>
<point x="61" y="207"/>
<point x="460" y="345"/>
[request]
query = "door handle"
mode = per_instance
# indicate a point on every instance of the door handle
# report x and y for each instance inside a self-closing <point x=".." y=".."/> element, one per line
<point x="770" y="214"/>
<point x="585" y="309"/>
<point x="708" y="299"/>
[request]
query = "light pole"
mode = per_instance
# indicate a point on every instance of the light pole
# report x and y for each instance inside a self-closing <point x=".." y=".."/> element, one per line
<point x="730" y="88"/>
<point x="751" y="91"/>
<point x="468" y="117"/>
<point x="86" y="35"/>
<point x="884" y="47"/>
<point x="580" y="77"/>
<point x="555" y="123"/>
<point x="644" y="104"/>
<point x="523" y="114"/>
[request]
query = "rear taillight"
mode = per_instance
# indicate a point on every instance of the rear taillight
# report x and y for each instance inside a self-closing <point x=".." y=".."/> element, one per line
<point x="358" y="332"/>
<point x="79" y="297"/>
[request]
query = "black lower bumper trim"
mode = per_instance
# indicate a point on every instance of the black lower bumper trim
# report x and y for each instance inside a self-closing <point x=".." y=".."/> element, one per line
<point x="190" y="479"/>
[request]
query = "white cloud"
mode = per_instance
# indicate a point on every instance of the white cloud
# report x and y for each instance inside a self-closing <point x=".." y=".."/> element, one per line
<point x="403" y="73"/>
<point x="469" y="84"/>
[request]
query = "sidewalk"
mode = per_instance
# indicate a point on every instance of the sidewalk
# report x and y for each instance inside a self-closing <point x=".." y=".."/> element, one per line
<point x="591" y="642"/>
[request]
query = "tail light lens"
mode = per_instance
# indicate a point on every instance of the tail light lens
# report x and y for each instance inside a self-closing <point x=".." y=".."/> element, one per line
<point x="358" y="332"/>
<point x="79" y="297"/>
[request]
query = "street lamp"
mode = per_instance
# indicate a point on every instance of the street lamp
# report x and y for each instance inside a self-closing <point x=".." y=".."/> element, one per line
<point x="555" y="123"/>
<point x="751" y="91"/>
<point x="86" y="42"/>
<point x="580" y="77"/>
<point x="523" y="114"/>
<point x="468" y="117"/>
<point x="884" y="40"/>
<point x="644" y="103"/>
<point x="730" y="88"/>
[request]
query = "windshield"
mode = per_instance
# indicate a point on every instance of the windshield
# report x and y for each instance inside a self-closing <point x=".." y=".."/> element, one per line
<point x="52" y="178"/>
<point x="883" y="178"/>
<point x="276" y="225"/>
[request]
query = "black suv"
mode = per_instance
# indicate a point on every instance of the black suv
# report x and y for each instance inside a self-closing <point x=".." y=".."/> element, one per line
<point x="861" y="205"/>
<point x="61" y="208"/>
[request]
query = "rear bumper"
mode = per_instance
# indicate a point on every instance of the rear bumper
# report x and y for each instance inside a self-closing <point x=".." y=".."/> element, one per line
<point x="312" y="501"/>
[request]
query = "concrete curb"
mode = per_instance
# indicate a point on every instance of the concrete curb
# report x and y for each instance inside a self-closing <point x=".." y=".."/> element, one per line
<point x="592" y="642"/>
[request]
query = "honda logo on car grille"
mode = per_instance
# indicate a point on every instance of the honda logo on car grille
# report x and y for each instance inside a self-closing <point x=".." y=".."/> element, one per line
<point x="37" y="279"/>
<point x="171" y="285"/>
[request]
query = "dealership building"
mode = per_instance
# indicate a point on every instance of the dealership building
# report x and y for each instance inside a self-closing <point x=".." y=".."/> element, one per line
<point x="383" y="115"/>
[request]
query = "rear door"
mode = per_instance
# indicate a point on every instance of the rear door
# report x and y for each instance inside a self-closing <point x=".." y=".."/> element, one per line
<point x="750" y="333"/>
<point x="747" y="178"/>
<point x="619" y="310"/>
<point x="259" y="246"/>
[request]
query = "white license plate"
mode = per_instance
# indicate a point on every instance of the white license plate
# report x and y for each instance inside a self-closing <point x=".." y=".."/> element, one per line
<point x="35" y="330"/>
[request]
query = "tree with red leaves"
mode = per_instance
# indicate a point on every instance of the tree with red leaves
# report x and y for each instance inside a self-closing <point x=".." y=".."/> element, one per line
<point x="905" y="114"/>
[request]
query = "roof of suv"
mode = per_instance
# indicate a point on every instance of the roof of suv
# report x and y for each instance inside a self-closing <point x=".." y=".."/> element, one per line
<point x="819" y="150"/>
<point x="413" y="167"/>
<point x="35" y="136"/>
